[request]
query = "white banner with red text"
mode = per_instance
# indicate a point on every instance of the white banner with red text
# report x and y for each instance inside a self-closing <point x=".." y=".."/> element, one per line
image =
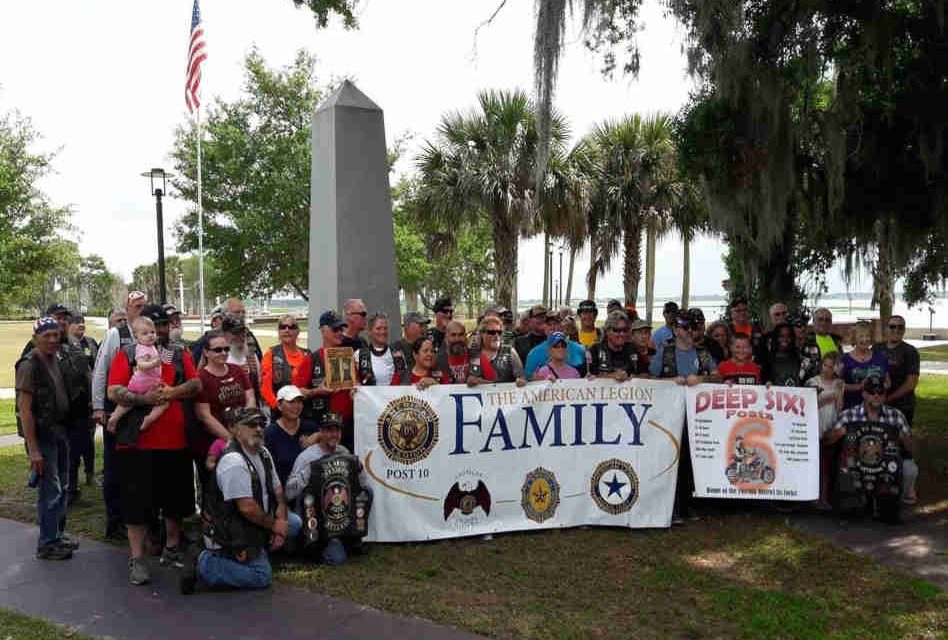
<point x="455" y="460"/>
<point x="754" y="442"/>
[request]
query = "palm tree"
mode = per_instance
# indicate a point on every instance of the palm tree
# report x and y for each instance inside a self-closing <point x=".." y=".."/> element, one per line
<point x="483" y="164"/>
<point x="633" y="162"/>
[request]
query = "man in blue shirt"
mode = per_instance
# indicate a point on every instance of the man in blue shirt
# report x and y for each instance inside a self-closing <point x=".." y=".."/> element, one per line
<point x="686" y="363"/>
<point x="666" y="331"/>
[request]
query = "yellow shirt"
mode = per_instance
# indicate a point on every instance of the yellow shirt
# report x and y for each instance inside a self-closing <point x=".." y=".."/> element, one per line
<point x="588" y="338"/>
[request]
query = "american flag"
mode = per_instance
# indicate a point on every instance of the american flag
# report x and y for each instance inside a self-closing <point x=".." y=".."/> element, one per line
<point x="197" y="54"/>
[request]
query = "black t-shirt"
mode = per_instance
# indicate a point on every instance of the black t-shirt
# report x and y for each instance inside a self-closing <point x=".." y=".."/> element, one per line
<point x="783" y="370"/>
<point x="604" y="360"/>
<point x="436" y="336"/>
<point x="525" y="344"/>
<point x="356" y="343"/>
<point x="903" y="362"/>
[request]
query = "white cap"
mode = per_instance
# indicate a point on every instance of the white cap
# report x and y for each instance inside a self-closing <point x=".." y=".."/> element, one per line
<point x="289" y="392"/>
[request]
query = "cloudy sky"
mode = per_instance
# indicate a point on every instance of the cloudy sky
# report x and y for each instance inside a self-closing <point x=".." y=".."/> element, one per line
<point x="103" y="82"/>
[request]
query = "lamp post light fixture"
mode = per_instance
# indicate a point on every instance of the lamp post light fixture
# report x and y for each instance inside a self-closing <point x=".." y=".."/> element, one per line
<point x="157" y="179"/>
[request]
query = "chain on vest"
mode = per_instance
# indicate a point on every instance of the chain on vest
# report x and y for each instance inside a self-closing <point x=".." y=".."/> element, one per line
<point x="227" y="526"/>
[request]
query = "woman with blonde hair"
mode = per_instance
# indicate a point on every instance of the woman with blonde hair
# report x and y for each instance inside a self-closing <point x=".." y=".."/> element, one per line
<point x="860" y="363"/>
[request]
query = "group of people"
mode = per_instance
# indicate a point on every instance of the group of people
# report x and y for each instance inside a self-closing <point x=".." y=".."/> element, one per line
<point x="247" y="424"/>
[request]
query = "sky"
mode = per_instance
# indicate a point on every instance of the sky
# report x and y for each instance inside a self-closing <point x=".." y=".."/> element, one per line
<point x="103" y="82"/>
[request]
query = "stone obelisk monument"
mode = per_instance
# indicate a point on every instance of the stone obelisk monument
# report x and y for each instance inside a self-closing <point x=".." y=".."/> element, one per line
<point x="351" y="251"/>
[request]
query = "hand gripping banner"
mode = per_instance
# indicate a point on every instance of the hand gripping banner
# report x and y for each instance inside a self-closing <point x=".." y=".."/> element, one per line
<point x="455" y="461"/>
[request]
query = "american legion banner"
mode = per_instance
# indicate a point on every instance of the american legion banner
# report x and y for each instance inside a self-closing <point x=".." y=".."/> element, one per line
<point x="455" y="460"/>
<point x="754" y="442"/>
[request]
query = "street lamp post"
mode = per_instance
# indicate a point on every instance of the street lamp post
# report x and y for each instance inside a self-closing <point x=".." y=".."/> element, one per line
<point x="157" y="178"/>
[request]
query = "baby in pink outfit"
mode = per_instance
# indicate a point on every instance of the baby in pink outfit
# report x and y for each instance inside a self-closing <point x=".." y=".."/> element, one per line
<point x="146" y="376"/>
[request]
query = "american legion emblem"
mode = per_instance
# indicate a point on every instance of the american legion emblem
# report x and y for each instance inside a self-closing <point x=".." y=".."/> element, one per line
<point x="408" y="429"/>
<point x="614" y="486"/>
<point x="540" y="495"/>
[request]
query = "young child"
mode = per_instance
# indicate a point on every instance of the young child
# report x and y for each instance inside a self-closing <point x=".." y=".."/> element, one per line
<point x="147" y="373"/>
<point x="829" y="389"/>
<point x="740" y="369"/>
<point x="556" y="367"/>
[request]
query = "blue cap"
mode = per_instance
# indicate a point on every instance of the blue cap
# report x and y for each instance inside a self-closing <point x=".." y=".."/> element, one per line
<point x="331" y="320"/>
<point x="555" y="337"/>
<point x="45" y="324"/>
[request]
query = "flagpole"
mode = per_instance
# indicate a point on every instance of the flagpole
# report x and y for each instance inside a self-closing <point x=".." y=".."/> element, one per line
<point x="200" y="206"/>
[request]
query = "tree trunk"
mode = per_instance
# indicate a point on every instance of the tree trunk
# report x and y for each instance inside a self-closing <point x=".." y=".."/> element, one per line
<point x="883" y="277"/>
<point x="686" y="271"/>
<point x="546" y="269"/>
<point x="569" y="278"/>
<point x="592" y="276"/>
<point x="632" y="270"/>
<point x="411" y="299"/>
<point x="505" y="257"/>
<point x="651" y="234"/>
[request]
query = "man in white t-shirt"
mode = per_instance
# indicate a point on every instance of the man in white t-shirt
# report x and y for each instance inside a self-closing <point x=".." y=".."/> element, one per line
<point x="250" y="516"/>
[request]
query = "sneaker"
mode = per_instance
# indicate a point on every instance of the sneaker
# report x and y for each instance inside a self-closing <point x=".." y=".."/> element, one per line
<point x="68" y="541"/>
<point x="54" y="552"/>
<point x="172" y="557"/>
<point x="137" y="571"/>
<point x="187" y="583"/>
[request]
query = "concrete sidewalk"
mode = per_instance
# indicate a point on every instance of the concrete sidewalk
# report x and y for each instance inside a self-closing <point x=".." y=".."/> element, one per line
<point x="919" y="546"/>
<point x="92" y="594"/>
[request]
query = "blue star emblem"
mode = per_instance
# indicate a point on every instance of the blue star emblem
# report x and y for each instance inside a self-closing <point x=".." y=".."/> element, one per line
<point x="615" y="487"/>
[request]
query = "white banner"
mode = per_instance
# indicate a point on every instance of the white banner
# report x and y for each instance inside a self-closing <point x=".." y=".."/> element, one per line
<point x="754" y="442"/>
<point x="454" y="460"/>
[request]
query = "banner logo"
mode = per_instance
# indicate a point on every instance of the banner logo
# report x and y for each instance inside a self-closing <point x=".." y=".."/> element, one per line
<point x="614" y="486"/>
<point x="752" y="460"/>
<point x="540" y="495"/>
<point x="466" y="500"/>
<point x="408" y="429"/>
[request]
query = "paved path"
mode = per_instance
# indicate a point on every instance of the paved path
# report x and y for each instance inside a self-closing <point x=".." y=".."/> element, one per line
<point x="919" y="547"/>
<point x="91" y="592"/>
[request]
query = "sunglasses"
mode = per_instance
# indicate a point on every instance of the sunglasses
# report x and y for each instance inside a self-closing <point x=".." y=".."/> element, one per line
<point x="359" y="313"/>
<point x="257" y="424"/>
<point x="897" y="327"/>
<point x="288" y="327"/>
<point x="492" y="332"/>
<point x="336" y="329"/>
<point x="219" y="349"/>
<point x="559" y="345"/>
<point x="620" y="330"/>
<point x="874" y="392"/>
<point x="449" y="312"/>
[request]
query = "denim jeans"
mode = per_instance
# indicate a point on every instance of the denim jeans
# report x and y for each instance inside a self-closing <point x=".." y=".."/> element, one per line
<point x="51" y="493"/>
<point x="217" y="569"/>
<point x="334" y="553"/>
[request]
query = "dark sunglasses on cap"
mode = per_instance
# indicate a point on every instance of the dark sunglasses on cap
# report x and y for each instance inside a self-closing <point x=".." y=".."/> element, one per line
<point x="359" y="313"/>
<point x="219" y="349"/>
<point x="289" y="327"/>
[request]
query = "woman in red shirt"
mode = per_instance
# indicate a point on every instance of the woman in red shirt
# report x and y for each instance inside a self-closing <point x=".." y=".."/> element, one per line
<point x="423" y="373"/>
<point x="223" y="386"/>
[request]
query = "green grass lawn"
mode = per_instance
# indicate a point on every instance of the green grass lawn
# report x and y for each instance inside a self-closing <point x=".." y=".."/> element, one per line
<point x="16" y="626"/>
<point x="7" y="417"/>
<point x="934" y="353"/>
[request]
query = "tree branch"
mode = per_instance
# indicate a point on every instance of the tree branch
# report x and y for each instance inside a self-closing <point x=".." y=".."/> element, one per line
<point x="486" y="23"/>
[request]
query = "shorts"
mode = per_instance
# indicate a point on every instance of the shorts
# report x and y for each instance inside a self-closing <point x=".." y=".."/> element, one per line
<point x="154" y="480"/>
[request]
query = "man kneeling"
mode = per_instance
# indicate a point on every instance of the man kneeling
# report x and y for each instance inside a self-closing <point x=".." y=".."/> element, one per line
<point x="249" y="514"/>
<point x="335" y="498"/>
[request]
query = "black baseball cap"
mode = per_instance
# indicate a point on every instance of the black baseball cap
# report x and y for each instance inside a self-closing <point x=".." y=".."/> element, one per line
<point x="696" y="315"/>
<point x="670" y="307"/>
<point x="443" y="305"/>
<point x="156" y="314"/>
<point x="331" y="320"/>
<point x="613" y="305"/>
<point x="587" y="306"/>
<point x="331" y="419"/>
<point x="246" y="415"/>
<point x="56" y="308"/>
<point x="873" y="384"/>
